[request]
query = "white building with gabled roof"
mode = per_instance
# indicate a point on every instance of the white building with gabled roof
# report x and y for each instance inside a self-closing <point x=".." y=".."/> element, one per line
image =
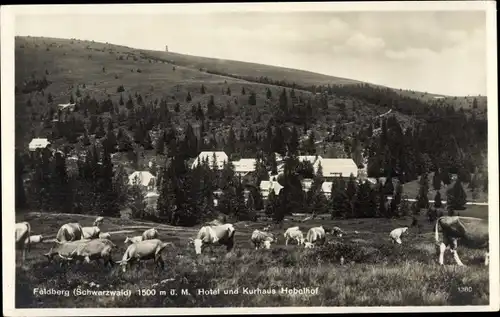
<point x="38" y="144"/>
<point x="244" y="166"/>
<point x="142" y="178"/>
<point x="220" y="158"/>
<point x="267" y="186"/>
<point x="337" y="167"/>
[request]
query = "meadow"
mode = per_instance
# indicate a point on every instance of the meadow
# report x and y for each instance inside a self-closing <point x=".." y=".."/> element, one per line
<point x="375" y="272"/>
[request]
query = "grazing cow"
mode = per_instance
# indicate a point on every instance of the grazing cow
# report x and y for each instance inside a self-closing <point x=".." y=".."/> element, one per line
<point x="35" y="239"/>
<point x="336" y="231"/>
<point x="472" y="232"/>
<point x="98" y="221"/>
<point x="395" y="234"/>
<point x="64" y="249"/>
<point x="315" y="234"/>
<point x="294" y="234"/>
<point x="105" y="235"/>
<point x="144" y="250"/>
<point x="23" y="231"/>
<point x="261" y="239"/>
<point x="91" y="232"/>
<point x="69" y="232"/>
<point x="150" y="234"/>
<point x="94" y="250"/>
<point x="214" y="235"/>
<point x="133" y="239"/>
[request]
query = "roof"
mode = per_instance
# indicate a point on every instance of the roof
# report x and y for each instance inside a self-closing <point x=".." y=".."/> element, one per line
<point x="38" y="143"/>
<point x="270" y="185"/>
<point x="65" y="105"/>
<point x="244" y="165"/>
<point x="144" y="177"/>
<point x="333" y="166"/>
<point x="220" y="157"/>
<point x="152" y="195"/>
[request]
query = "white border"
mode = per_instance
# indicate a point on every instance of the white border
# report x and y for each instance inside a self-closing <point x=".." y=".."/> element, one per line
<point x="7" y="19"/>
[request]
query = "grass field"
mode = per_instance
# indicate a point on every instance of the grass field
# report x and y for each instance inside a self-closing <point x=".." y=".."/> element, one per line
<point x="375" y="272"/>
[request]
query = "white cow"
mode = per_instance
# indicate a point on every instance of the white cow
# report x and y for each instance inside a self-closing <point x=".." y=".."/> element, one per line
<point x="104" y="235"/>
<point x="315" y="235"/>
<point x="261" y="239"/>
<point x="23" y="231"/>
<point x="472" y="232"/>
<point x="98" y="221"/>
<point x="133" y="239"/>
<point x="294" y="234"/>
<point x="150" y="234"/>
<point x="214" y="235"/>
<point x="69" y="232"/>
<point x="91" y="232"/>
<point x="35" y="239"/>
<point x="94" y="250"/>
<point x="395" y="235"/>
<point x="144" y="250"/>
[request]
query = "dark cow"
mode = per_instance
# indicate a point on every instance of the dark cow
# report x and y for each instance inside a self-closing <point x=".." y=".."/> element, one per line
<point x="471" y="232"/>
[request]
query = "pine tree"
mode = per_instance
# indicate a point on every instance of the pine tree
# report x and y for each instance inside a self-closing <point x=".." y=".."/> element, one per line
<point x="396" y="200"/>
<point x="100" y="132"/>
<point x="271" y="203"/>
<point x="188" y="97"/>
<point x="243" y="92"/>
<point x="252" y="99"/>
<point x="121" y="100"/>
<point x="351" y="187"/>
<point x="293" y="144"/>
<point x="341" y="204"/>
<point x="422" y="199"/>
<point x="268" y="93"/>
<point x="389" y="186"/>
<point x="437" y="200"/>
<point x="147" y="143"/>
<point x="436" y="180"/>
<point x="202" y="90"/>
<point x="456" y="196"/>
<point x="228" y="92"/>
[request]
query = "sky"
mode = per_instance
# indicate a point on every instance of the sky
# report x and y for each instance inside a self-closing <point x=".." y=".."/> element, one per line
<point x="440" y="52"/>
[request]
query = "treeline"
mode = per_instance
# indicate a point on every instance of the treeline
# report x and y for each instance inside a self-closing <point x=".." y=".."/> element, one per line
<point x="32" y="85"/>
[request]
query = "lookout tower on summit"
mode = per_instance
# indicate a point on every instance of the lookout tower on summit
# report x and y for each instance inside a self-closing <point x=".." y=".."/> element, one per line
<point x="166" y="48"/>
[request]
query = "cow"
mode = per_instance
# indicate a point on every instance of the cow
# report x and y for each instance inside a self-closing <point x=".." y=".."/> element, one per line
<point x="35" y="239"/>
<point x="94" y="250"/>
<point x="23" y="232"/>
<point x="150" y="234"/>
<point x="261" y="239"/>
<point x="69" y="232"/>
<point x="214" y="235"/>
<point x="395" y="235"/>
<point x="133" y="239"/>
<point x="472" y="232"/>
<point x="294" y="234"/>
<point x="144" y="250"/>
<point x="314" y="235"/>
<point x="336" y="231"/>
<point x="91" y="232"/>
<point x="98" y="221"/>
<point x="105" y="235"/>
<point x="64" y="249"/>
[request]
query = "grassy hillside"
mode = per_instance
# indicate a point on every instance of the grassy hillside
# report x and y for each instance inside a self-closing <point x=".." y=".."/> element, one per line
<point x="75" y="69"/>
<point x="375" y="273"/>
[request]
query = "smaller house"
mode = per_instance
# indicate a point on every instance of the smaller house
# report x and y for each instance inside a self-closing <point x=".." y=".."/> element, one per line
<point x="66" y="106"/>
<point x="267" y="186"/>
<point x="326" y="188"/>
<point x="306" y="184"/>
<point x="38" y="144"/>
<point x="220" y="158"/>
<point x="142" y="178"/>
<point x="244" y="166"/>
